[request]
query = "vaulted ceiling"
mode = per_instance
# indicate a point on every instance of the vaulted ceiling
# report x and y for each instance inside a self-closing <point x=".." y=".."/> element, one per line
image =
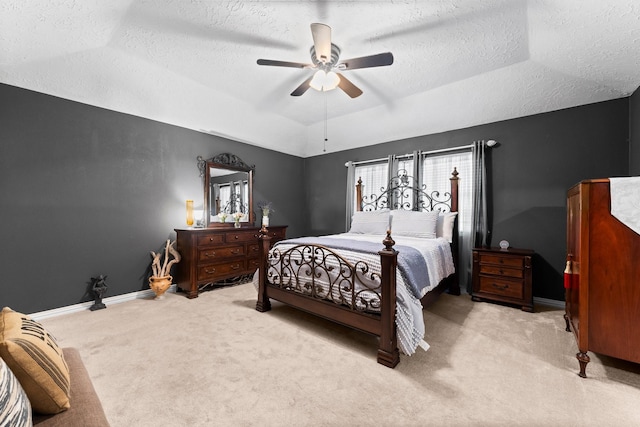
<point x="457" y="63"/>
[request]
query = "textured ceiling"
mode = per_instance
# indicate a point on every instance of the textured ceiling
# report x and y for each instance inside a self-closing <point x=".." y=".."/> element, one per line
<point x="458" y="63"/>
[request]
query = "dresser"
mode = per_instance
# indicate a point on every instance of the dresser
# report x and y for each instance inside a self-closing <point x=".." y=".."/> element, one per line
<point x="602" y="287"/>
<point x="211" y="255"/>
<point x="503" y="275"/>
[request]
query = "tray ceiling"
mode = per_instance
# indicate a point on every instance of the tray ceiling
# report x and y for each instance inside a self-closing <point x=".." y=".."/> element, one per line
<point x="458" y="63"/>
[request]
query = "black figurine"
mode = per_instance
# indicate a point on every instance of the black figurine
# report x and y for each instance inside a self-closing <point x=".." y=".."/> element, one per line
<point x="99" y="287"/>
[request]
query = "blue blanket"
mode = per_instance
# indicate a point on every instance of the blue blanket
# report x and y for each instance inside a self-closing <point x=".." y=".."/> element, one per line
<point x="411" y="263"/>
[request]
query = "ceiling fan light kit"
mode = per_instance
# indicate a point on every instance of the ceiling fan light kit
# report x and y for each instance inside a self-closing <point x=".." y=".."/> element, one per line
<point x="324" y="59"/>
<point x="323" y="81"/>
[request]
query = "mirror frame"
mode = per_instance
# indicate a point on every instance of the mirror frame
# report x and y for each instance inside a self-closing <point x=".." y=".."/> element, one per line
<point x="231" y="162"/>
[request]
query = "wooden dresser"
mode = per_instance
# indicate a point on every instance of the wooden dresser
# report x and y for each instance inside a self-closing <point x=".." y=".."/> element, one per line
<point x="503" y="275"/>
<point x="210" y="255"/>
<point x="602" y="288"/>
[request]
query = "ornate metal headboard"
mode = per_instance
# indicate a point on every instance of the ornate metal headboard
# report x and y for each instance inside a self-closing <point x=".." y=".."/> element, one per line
<point x="404" y="193"/>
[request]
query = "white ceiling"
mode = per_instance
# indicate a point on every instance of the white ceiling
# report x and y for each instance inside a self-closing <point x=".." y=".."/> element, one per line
<point x="458" y="63"/>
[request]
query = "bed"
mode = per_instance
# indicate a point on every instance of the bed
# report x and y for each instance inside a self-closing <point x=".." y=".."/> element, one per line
<point x="365" y="278"/>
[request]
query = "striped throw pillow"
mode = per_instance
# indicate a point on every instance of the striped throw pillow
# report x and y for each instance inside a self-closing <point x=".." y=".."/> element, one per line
<point x="36" y="360"/>
<point x="15" y="409"/>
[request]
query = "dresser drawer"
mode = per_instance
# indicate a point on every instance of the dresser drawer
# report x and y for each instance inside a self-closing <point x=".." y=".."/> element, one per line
<point x="501" y="271"/>
<point x="253" y="250"/>
<point x="216" y="253"/>
<point x="507" y="261"/>
<point x="209" y="240"/>
<point x="215" y="271"/>
<point x="503" y="287"/>
<point x="241" y="236"/>
<point x="253" y="264"/>
<point x="277" y="234"/>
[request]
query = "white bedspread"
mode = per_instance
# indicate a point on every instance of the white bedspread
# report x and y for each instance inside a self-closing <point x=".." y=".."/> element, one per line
<point x="409" y="318"/>
<point x="625" y="201"/>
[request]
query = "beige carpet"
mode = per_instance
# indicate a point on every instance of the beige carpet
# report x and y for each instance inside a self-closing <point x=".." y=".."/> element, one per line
<point x="215" y="361"/>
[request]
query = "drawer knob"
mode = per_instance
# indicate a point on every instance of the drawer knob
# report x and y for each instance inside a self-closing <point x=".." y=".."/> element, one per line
<point x="210" y="271"/>
<point x="501" y="287"/>
<point x="236" y="237"/>
<point x="210" y="254"/>
<point x="235" y="251"/>
<point x="235" y="267"/>
<point x="211" y="239"/>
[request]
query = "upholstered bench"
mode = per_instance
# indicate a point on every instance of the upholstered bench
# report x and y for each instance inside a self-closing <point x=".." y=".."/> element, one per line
<point x="37" y="375"/>
<point x="86" y="409"/>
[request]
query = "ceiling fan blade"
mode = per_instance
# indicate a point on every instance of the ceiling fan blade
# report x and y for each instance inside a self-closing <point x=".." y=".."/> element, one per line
<point x="322" y="41"/>
<point x="349" y="88"/>
<point x="283" y="63"/>
<point x="378" y="60"/>
<point x="302" y="88"/>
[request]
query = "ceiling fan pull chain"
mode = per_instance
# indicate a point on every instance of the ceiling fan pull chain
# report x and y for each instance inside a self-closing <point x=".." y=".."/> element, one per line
<point x="325" y="122"/>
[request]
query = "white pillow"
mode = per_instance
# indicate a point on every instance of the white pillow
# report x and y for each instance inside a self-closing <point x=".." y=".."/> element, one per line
<point x="444" y="227"/>
<point x="374" y="222"/>
<point x="414" y="224"/>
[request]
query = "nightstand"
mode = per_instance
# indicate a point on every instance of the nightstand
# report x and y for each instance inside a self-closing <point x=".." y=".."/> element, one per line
<point x="503" y="275"/>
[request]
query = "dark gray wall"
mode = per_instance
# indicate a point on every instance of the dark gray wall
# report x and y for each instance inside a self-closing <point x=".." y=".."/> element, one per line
<point x="87" y="191"/>
<point x="539" y="158"/>
<point x="634" y="133"/>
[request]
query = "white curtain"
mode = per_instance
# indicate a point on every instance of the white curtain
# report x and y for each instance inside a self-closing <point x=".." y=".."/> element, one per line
<point x="375" y="178"/>
<point x="436" y="174"/>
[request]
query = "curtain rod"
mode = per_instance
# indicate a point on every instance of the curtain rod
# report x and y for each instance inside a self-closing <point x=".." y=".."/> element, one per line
<point x="490" y="143"/>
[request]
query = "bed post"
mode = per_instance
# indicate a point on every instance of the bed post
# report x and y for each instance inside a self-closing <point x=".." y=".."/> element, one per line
<point x="388" y="354"/>
<point x="359" y="194"/>
<point x="454" y="286"/>
<point x="264" y="242"/>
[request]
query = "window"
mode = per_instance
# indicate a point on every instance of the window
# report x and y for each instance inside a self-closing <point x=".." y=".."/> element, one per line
<point x="433" y="170"/>
<point x="436" y="171"/>
<point x="374" y="176"/>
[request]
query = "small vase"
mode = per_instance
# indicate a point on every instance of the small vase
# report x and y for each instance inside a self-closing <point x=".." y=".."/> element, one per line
<point x="265" y="220"/>
<point x="159" y="285"/>
<point x="236" y="224"/>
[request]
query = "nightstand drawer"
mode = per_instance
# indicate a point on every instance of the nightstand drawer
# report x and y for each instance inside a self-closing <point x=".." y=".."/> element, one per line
<point x="507" y="261"/>
<point x="501" y="271"/>
<point x="503" y="287"/>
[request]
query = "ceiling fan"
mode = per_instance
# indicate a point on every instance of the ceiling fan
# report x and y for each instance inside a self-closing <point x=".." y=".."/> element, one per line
<point x="324" y="58"/>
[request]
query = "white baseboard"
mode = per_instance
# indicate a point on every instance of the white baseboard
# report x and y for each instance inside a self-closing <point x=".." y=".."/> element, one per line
<point x="85" y="305"/>
<point x="548" y="302"/>
<point x="148" y="292"/>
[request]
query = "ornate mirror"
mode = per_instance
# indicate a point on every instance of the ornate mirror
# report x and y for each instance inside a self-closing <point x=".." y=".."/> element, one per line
<point x="228" y="189"/>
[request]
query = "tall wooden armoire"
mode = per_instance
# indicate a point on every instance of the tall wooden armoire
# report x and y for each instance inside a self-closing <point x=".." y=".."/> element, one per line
<point x="602" y="300"/>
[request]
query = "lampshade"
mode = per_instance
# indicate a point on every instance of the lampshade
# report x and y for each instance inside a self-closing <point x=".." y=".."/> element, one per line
<point x="323" y="81"/>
